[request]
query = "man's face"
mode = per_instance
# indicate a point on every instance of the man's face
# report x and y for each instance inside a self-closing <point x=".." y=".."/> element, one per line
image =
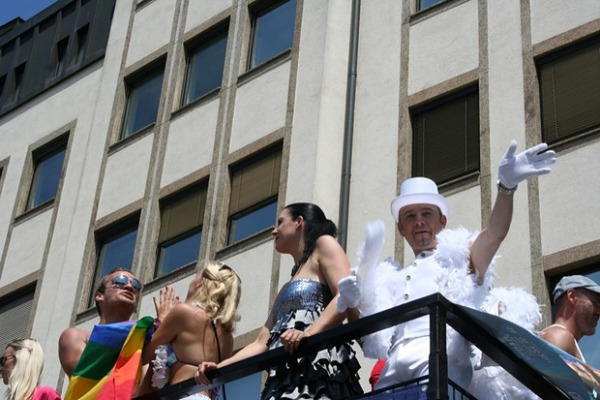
<point x="419" y="224"/>
<point x="118" y="294"/>
<point x="587" y="310"/>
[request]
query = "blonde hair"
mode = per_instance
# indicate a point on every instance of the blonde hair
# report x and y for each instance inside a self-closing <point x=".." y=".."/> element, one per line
<point x="25" y="375"/>
<point x="219" y="293"/>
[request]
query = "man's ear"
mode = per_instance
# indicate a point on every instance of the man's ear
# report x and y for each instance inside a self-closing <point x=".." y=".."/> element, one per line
<point x="99" y="297"/>
<point x="443" y="220"/>
<point x="399" y="226"/>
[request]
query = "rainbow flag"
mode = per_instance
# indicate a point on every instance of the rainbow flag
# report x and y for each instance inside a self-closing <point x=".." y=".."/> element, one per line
<point x="110" y="365"/>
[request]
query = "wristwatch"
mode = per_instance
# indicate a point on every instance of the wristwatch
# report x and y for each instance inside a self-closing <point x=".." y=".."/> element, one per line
<point x="504" y="190"/>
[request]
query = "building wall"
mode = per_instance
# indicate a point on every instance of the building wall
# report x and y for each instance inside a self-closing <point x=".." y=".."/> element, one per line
<point x="297" y="100"/>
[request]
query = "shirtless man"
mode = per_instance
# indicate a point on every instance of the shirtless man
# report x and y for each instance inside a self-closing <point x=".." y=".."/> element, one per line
<point x="116" y="300"/>
<point x="576" y="301"/>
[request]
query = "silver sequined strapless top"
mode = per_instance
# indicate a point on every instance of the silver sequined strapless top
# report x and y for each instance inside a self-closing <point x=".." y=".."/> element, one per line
<point x="301" y="294"/>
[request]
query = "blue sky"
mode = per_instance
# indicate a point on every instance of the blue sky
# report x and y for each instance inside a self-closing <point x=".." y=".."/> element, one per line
<point x="10" y="9"/>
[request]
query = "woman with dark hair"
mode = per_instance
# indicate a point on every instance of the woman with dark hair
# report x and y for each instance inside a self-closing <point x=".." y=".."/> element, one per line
<point x="304" y="306"/>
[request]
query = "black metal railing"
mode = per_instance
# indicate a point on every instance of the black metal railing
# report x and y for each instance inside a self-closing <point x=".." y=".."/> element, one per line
<point x="436" y="385"/>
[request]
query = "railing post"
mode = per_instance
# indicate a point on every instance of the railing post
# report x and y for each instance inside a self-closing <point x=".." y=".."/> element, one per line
<point x="438" y="359"/>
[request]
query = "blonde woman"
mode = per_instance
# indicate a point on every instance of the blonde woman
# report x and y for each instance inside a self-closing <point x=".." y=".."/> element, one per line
<point x="200" y="329"/>
<point x="21" y="366"/>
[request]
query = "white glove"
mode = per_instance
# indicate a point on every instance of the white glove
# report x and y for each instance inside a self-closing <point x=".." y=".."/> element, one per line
<point x="349" y="293"/>
<point x="513" y="170"/>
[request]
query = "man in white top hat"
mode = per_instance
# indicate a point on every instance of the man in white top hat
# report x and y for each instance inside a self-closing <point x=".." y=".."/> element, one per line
<point x="576" y="300"/>
<point x="453" y="262"/>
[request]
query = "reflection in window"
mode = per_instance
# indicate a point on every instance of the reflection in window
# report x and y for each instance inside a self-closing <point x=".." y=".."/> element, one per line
<point x="180" y="230"/>
<point x="115" y="249"/>
<point x="570" y="92"/>
<point x="423" y="4"/>
<point x="254" y="221"/>
<point x="143" y="98"/>
<point x="46" y="175"/>
<point x="205" y="67"/>
<point x="272" y="31"/>
<point x="446" y="137"/>
<point x="254" y="189"/>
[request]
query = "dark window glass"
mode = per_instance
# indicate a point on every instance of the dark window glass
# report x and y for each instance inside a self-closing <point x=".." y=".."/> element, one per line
<point x="423" y="4"/>
<point x="180" y="230"/>
<point x="205" y="67"/>
<point x="82" y="42"/>
<point x="446" y="138"/>
<point x="114" y="250"/>
<point x="253" y="197"/>
<point x="179" y="253"/>
<point x="254" y="221"/>
<point x="19" y="72"/>
<point x="2" y="83"/>
<point x="15" y="314"/>
<point x="273" y="31"/>
<point x="46" y="177"/>
<point x="570" y="92"/>
<point x="61" y="52"/>
<point x="143" y="97"/>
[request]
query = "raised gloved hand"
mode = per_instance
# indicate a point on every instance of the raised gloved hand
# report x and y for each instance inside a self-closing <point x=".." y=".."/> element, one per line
<point x="349" y="293"/>
<point x="532" y="162"/>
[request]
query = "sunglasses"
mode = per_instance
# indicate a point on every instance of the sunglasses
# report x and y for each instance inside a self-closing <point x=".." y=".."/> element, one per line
<point x="3" y="359"/>
<point x="123" y="280"/>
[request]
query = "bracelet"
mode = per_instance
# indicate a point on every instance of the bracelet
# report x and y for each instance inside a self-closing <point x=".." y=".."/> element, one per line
<point x="504" y="190"/>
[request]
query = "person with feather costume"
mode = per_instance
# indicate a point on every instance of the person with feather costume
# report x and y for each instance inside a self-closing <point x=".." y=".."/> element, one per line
<point x="454" y="262"/>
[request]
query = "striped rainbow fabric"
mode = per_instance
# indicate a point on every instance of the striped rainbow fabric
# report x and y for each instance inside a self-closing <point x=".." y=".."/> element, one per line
<point x="110" y="365"/>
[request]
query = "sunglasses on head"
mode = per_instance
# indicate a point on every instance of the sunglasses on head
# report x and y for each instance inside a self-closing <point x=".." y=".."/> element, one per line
<point x="122" y="280"/>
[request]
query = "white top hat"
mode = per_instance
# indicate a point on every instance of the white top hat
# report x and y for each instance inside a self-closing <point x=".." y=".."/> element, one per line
<point x="418" y="191"/>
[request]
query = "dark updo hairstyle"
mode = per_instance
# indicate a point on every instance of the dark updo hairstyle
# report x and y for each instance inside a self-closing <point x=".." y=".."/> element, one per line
<point x="316" y="225"/>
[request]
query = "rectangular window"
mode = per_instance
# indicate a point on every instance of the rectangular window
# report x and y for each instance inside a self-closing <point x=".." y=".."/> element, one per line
<point x="81" y="45"/>
<point x="15" y="314"/>
<point x="446" y="137"/>
<point x="115" y="247"/>
<point x="143" y="98"/>
<point x="61" y="52"/>
<point x="18" y="80"/>
<point x="47" y="171"/>
<point x="205" y="62"/>
<point x="254" y="189"/>
<point x="570" y="92"/>
<point x="272" y="31"/>
<point x="180" y="230"/>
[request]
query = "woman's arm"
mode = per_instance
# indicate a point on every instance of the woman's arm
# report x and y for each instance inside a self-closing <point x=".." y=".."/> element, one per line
<point x="333" y="266"/>
<point x="168" y="330"/>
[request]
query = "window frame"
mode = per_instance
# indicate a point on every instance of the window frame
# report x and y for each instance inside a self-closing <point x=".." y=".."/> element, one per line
<point x="200" y="190"/>
<point x="132" y="83"/>
<point x="192" y="49"/>
<point x="26" y="293"/>
<point x="554" y="60"/>
<point x="260" y="200"/>
<point x="106" y="235"/>
<point x="472" y="167"/>
<point x="256" y="12"/>
<point x="38" y="156"/>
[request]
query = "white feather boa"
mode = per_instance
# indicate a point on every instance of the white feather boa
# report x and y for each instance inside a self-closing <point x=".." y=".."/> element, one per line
<point x="379" y="283"/>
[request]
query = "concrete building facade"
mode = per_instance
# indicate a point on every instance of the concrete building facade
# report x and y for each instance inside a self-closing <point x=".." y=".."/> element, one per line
<point x="198" y="120"/>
